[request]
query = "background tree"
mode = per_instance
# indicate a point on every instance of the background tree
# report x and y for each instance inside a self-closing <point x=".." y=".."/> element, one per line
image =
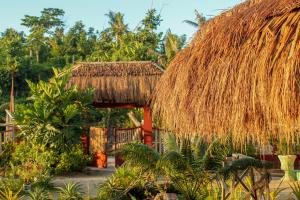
<point x="39" y="26"/>
<point x="172" y="45"/>
<point x="11" y="47"/>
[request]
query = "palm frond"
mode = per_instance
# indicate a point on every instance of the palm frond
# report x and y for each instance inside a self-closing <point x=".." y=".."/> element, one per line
<point x="140" y="155"/>
<point x="194" y="24"/>
<point x="170" y="143"/>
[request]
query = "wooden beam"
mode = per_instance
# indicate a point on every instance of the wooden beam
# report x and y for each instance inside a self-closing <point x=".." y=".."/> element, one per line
<point x="116" y="105"/>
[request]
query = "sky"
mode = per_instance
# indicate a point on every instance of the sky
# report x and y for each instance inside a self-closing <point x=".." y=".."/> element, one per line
<point x="92" y="12"/>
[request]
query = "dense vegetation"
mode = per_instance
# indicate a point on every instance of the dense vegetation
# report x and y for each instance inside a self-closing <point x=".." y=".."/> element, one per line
<point x="50" y="44"/>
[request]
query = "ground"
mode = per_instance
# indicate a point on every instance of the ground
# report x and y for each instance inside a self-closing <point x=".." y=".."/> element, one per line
<point x="89" y="179"/>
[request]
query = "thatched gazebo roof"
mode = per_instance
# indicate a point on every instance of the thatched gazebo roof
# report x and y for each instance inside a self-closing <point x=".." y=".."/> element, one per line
<point x="240" y="74"/>
<point x="117" y="83"/>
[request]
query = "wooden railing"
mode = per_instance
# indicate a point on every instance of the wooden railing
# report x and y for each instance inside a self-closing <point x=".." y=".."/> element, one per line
<point x="127" y="135"/>
<point x="8" y="135"/>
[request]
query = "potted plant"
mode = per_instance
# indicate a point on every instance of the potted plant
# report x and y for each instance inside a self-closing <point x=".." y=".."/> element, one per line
<point x="287" y="156"/>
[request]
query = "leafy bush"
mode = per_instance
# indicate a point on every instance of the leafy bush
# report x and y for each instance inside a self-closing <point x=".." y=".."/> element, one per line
<point x="184" y="165"/>
<point x="126" y="183"/>
<point x="75" y="160"/>
<point x="53" y="117"/>
<point x="51" y="123"/>
<point x="6" y="153"/>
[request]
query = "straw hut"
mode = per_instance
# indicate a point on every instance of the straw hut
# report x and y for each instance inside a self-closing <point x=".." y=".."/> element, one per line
<point x="240" y="74"/>
<point x="117" y="83"/>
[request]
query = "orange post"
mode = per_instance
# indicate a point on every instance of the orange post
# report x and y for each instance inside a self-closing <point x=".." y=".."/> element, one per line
<point x="147" y="126"/>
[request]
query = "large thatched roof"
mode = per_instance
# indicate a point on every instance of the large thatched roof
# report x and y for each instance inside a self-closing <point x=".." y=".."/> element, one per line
<point x="240" y="74"/>
<point x="117" y="83"/>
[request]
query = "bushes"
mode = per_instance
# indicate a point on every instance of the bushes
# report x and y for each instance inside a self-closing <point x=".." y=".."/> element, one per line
<point x="37" y="160"/>
<point x="6" y="153"/>
<point x="54" y="116"/>
<point x="126" y="183"/>
<point x="75" y="160"/>
<point x="51" y="123"/>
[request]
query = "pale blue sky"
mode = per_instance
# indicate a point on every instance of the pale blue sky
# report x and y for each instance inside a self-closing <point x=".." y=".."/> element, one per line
<point x="91" y="12"/>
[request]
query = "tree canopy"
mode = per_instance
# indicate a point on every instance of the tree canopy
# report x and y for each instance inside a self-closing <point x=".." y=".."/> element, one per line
<point x="49" y="43"/>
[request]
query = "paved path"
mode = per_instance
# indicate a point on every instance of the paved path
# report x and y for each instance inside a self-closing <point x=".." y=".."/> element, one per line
<point x="89" y="179"/>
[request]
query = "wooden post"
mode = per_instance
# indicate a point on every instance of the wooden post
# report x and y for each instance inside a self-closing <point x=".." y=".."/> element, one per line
<point x="147" y="126"/>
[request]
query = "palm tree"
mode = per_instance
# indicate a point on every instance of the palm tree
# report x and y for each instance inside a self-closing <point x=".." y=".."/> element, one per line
<point x="173" y="44"/>
<point x="117" y="25"/>
<point x="200" y="20"/>
<point x="12" y="66"/>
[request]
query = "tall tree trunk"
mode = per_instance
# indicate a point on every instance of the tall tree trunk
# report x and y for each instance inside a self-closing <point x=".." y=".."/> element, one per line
<point x="30" y="56"/>
<point x="12" y="98"/>
<point x="37" y="56"/>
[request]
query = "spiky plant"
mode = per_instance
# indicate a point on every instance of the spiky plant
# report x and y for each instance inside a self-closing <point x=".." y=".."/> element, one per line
<point x="184" y="163"/>
<point x="38" y="193"/>
<point x="296" y="190"/>
<point x="7" y="193"/>
<point x="71" y="191"/>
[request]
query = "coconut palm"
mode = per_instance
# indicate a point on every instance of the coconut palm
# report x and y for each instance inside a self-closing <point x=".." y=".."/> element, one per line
<point x="172" y="45"/>
<point x="117" y="25"/>
<point x="200" y="20"/>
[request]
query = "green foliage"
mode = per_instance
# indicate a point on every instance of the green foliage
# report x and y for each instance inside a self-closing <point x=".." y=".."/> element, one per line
<point x="38" y="193"/>
<point x="147" y="156"/>
<point x="72" y="161"/>
<point x="11" y="185"/>
<point x="126" y="183"/>
<point x="296" y="190"/>
<point x="71" y="191"/>
<point x="6" y="153"/>
<point x="199" y="20"/>
<point x="53" y="116"/>
<point x="7" y="194"/>
<point x="184" y="165"/>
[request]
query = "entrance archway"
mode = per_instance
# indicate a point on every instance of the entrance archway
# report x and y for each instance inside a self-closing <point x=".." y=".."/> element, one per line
<point x="120" y="85"/>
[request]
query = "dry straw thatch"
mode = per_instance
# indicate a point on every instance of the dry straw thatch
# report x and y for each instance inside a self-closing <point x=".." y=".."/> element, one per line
<point x="240" y="74"/>
<point x="117" y="82"/>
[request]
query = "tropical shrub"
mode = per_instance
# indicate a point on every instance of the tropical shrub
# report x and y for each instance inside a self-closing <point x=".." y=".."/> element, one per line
<point x="53" y="116"/>
<point x="75" y="160"/>
<point x="184" y="165"/>
<point x="51" y="123"/>
<point x="6" y="153"/>
<point x="126" y="183"/>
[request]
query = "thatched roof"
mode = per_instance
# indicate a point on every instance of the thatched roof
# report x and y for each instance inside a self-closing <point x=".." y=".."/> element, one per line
<point x="117" y="82"/>
<point x="240" y="74"/>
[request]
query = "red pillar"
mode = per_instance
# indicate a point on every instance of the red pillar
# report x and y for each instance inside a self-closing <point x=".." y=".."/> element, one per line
<point x="147" y="127"/>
